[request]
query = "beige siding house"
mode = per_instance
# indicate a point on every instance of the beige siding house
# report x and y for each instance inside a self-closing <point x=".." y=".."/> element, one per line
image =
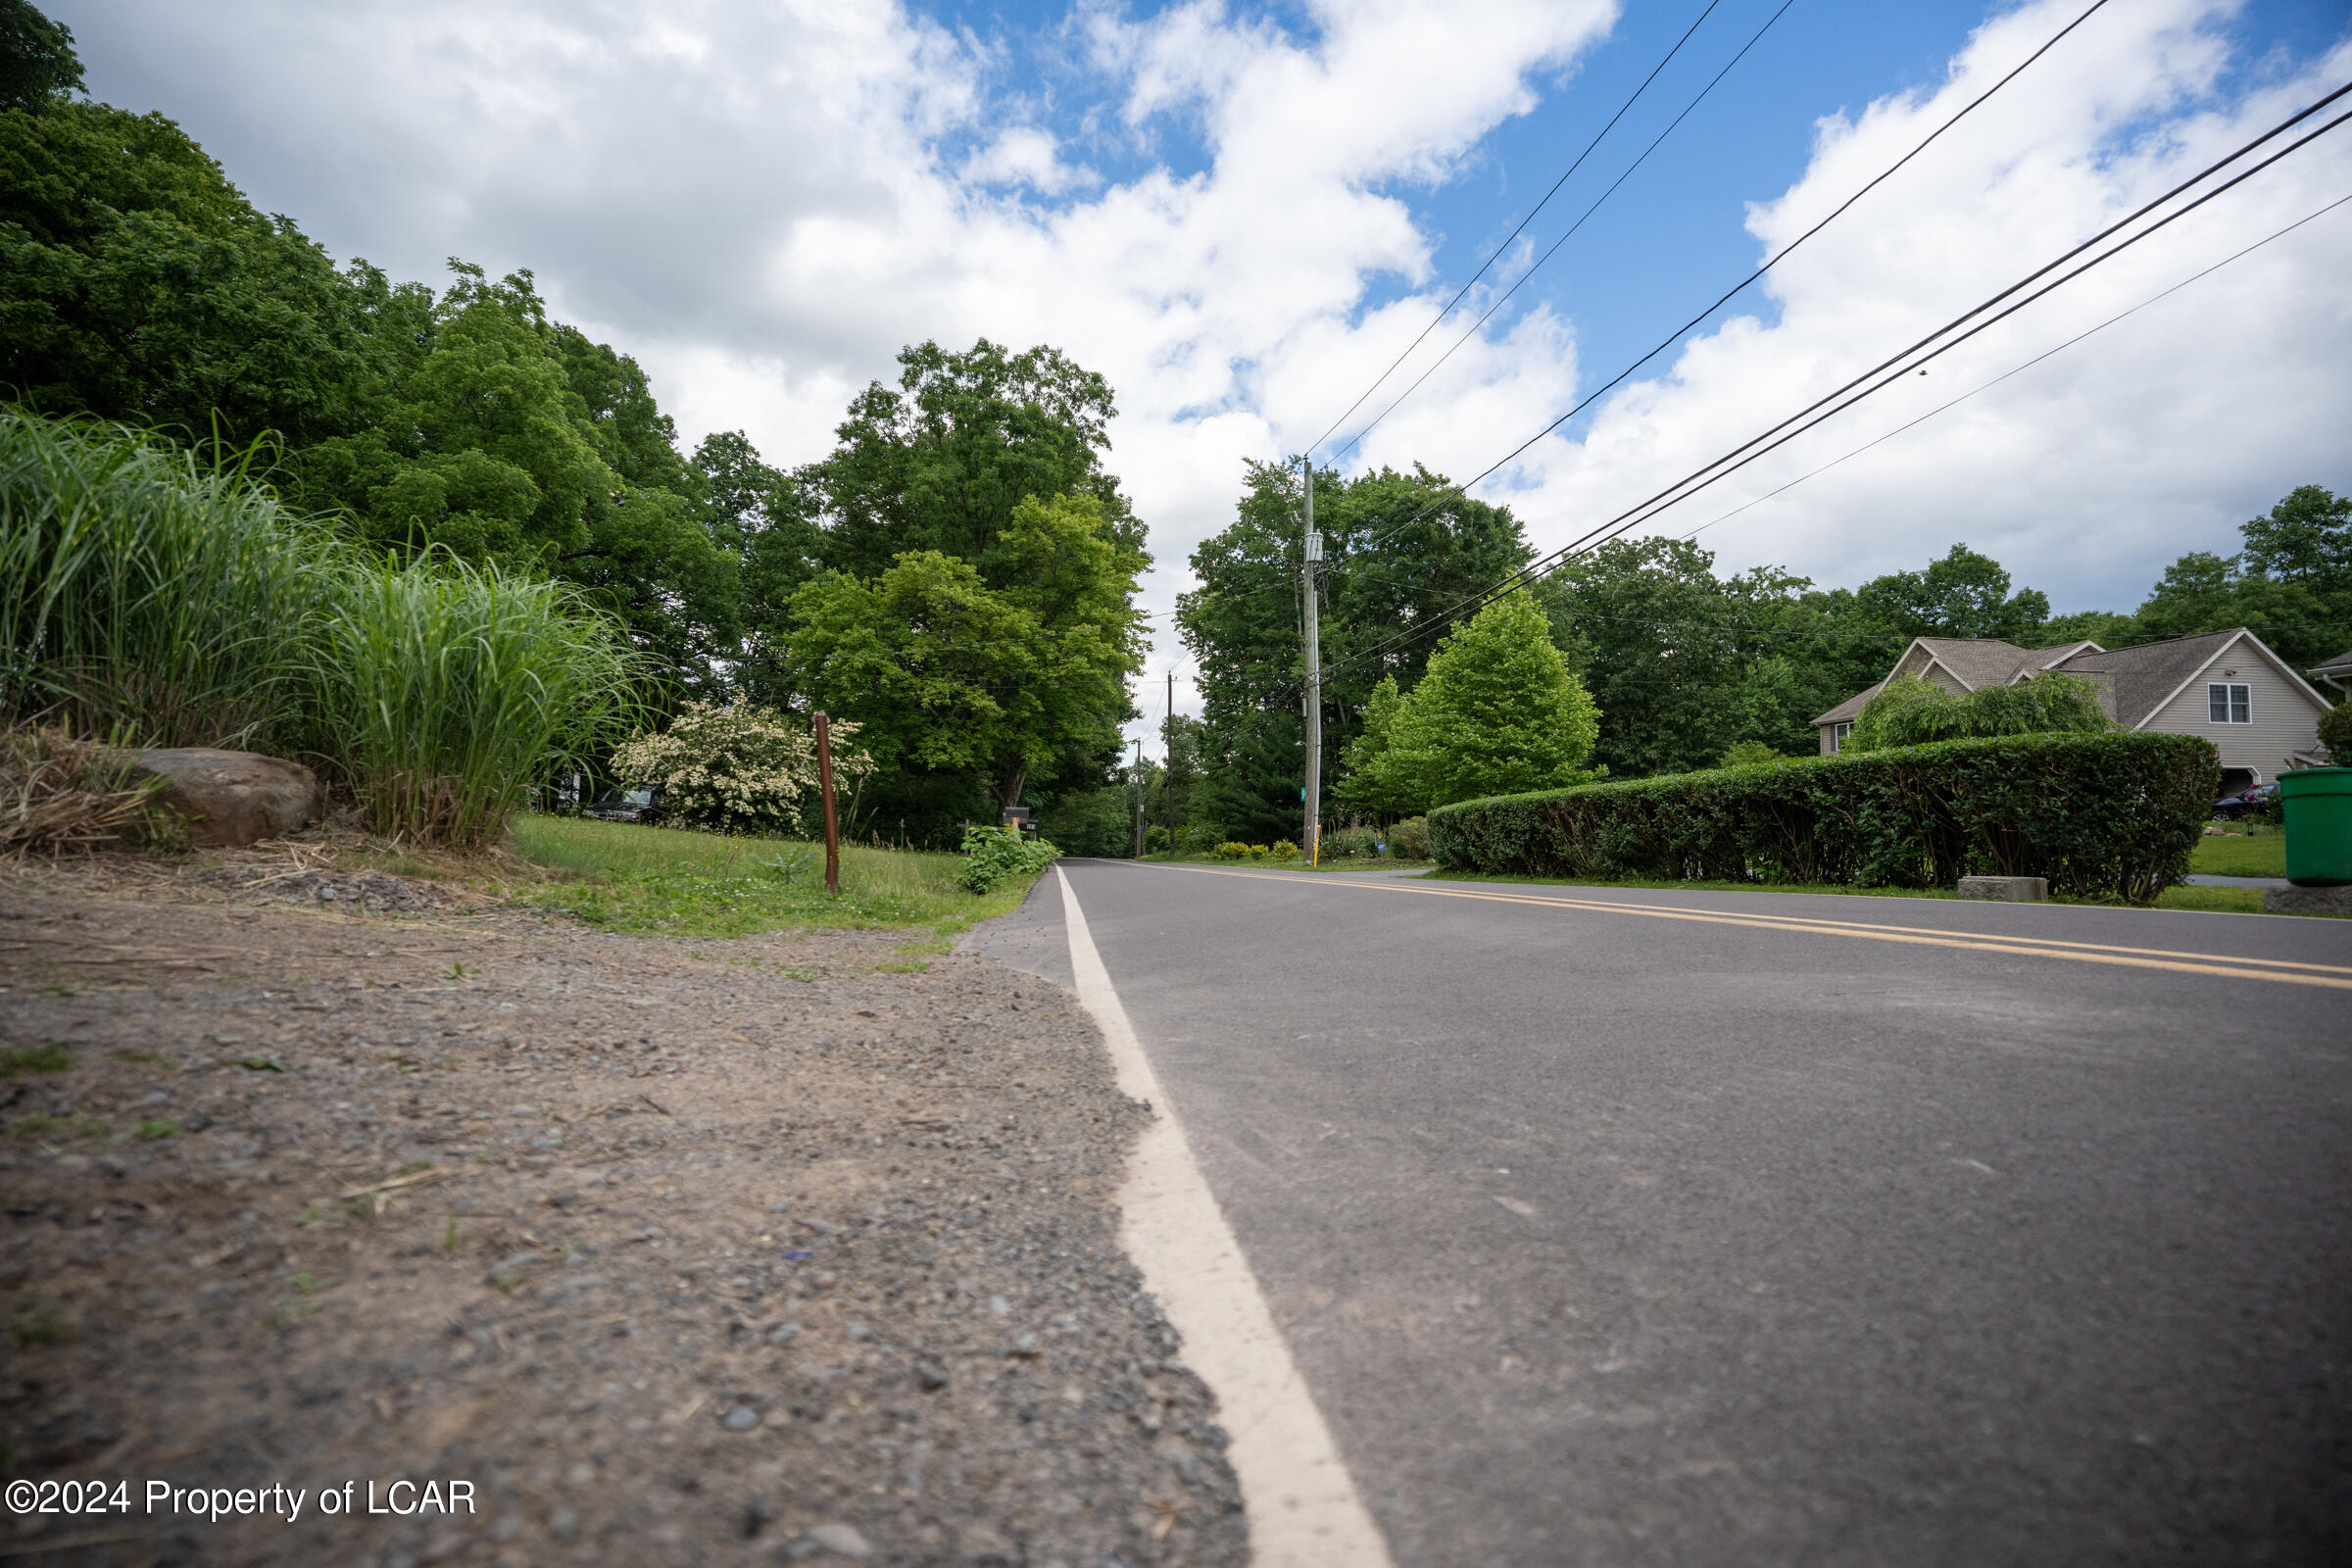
<point x="2224" y="685"/>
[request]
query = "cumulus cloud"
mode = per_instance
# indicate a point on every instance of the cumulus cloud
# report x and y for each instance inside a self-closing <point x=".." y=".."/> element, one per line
<point x="764" y="201"/>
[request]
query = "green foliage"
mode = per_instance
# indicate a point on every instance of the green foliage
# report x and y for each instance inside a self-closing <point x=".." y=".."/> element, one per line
<point x="1096" y="822"/>
<point x="950" y="674"/>
<point x="444" y="690"/>
<point x="1383" y="571"/>
<point x="1409" y="840"/>
<point x="147" y="598"/>
<point x="48" y="1056"/>
<point x="1913" y="712"/>
<point x="741" y="768"/>
<point x="1156" y="840"/>
<point x="624" y="877"/>
<point x="2111" y="815"/>
<point x="1747" y="753"/>
<point x="991" y="855"/>
<point x="1683" y="663"/>
<point x="2336" y="733"/>
<point x="1350" y="843"/>
<point x="37" y="65"/>
<point x="1202" y="838"/>
<point x="1282" y="849"/>
<point x="1371" y="783"/>
<point x="1498" y="713"/>
<point x="1229" y="849"/>
<point x="1963" y="595"/>
<point x="144" y="596"/>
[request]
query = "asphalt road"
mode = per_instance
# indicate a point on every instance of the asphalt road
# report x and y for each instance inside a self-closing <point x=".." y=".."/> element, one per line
<point x="1680" y="1228"/>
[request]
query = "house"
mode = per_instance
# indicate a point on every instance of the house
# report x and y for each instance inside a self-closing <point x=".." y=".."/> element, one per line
<point x="2222" y="685"/>
<point x="2337" y="673"/>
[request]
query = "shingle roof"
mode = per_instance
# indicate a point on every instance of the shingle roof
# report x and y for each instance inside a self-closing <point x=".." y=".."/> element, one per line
<point x="2340" y="664"/>
<point x="1978" y="662"/>
<point x="1851" y="708"/>
<point x="2144" y="676"/>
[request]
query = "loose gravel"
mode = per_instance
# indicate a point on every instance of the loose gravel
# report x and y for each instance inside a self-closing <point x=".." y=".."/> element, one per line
<point x="795" y="1248"/>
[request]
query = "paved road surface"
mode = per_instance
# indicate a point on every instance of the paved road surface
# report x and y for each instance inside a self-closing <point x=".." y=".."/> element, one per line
<point x="1637" y="1228"/>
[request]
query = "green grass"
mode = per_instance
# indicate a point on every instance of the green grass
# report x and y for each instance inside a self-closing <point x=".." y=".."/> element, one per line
<point x="2236" y="855"/>
<point x="2217" y="901"/>
<point x="678" y="883"/>
<point x="48" y="1056"/>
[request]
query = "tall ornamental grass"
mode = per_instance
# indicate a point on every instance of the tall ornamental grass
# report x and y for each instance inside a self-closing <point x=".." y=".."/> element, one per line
<point x="441" y="690"/>
<point x="143" y="597"/>
<point x="148" y="600"/>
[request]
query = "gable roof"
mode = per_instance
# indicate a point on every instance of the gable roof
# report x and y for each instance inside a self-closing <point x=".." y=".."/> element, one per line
<point x="2340" y="664"/>
<point x="2146" y="677"/>
<point x="1851" y="708"/>
<point x="1975" y="662"/>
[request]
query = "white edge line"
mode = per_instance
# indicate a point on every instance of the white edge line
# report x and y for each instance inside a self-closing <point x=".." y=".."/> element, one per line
<point x="1302" y="1505"/>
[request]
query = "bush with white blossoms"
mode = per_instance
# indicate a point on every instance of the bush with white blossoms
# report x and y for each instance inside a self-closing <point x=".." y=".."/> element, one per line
<point x="740" y="768"/>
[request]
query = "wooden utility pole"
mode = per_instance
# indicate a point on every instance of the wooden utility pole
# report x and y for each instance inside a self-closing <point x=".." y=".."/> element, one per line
<point x="1313" y="792"/>
<point x="1168" y="787"/>
<point x="824" y="784"/>
<point x="1139" y="796"/>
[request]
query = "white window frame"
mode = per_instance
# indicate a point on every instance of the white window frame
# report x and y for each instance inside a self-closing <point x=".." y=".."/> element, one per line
<point x="2230" y="701"/>
<point x="1837" y="735"/>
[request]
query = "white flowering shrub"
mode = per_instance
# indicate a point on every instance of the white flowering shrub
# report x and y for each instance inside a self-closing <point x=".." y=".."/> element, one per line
<point x="741" y="768"/>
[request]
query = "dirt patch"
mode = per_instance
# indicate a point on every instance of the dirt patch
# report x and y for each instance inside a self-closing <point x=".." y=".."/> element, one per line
<point x="782" y="1248"/>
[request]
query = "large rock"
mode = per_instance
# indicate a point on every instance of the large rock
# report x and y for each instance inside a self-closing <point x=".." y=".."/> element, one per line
<point x="232" y="798"/>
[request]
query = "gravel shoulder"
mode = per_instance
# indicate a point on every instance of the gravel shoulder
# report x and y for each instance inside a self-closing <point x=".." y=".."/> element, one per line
<point x="800" y="1246"/>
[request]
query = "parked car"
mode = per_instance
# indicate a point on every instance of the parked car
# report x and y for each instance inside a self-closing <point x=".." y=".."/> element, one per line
<point x="642" y="806"/>
<point x="2261" y="798"/>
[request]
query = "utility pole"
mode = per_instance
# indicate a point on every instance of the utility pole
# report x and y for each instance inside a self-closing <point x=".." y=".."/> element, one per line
<point x="1168" y="788"/>
<point x="1139" y="796"/>
<point x="1314" y="675"/>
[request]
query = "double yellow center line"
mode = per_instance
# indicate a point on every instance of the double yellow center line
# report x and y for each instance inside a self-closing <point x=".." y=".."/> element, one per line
<point x="2283" y="970"/>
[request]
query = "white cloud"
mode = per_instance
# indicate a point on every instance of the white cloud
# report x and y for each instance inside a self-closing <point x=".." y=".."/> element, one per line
<point x="764" y="201"/>
<point x="2084" y="475"/>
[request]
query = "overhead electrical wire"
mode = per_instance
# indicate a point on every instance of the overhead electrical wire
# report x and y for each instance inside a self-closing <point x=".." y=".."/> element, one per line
<point x="1497" y="254"/>
<point x="1887" y="371"/>
<point x="1553" y="249"/>
<point x="2019" y="369"/>
<point x="1782" y="254"/>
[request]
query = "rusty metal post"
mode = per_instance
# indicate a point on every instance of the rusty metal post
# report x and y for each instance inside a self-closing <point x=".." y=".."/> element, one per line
<point x="824" y="783"/>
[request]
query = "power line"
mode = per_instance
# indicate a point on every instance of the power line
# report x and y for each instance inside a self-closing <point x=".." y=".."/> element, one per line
<point x="1903" y="365"/>
<point x="2021" y="369"/>
<point x="1770" y="263"/>
<point x="1497" y="254"/>
<point x="1556" y="245"/>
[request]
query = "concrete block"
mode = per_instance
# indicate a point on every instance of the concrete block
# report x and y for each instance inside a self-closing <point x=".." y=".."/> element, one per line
<point x="2307" y="900"/>
<point x="2007" y="889"/>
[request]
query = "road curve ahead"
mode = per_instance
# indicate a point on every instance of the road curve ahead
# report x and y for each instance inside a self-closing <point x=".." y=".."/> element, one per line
<point x="1626" y="1228"/>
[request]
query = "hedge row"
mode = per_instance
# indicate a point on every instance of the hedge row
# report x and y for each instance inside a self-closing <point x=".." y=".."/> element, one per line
<point x="2102" y="816"/>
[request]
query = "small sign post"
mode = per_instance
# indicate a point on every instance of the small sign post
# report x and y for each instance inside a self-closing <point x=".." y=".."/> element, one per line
<point x="824" y="784"/>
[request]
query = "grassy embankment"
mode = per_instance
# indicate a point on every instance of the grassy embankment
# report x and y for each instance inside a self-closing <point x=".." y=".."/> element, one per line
<point x="670" y="882"/>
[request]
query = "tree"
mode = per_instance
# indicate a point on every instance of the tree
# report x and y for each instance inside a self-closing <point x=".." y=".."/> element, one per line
<point x="940" y="461"/>
<point x="1498" y="713"/>
<point x="1684" y="662"/>
<point x="951" y="675"/>
<point x="38" y="63"/>
<point x="1963" y="595"/>
<point x="1370" y="784"/>
<point x="1912" y="711"/>
<point x="139" y="284"/>
<point x="1387" y="568"/>
<point x="2306" y="538"/>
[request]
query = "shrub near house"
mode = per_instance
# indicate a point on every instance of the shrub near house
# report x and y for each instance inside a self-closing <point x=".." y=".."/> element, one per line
<point x="2107" y="816"/>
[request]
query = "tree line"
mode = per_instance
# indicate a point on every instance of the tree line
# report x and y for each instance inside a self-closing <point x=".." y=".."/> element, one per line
<point x="958" y="572"/>
<point x="1683" y="663"/>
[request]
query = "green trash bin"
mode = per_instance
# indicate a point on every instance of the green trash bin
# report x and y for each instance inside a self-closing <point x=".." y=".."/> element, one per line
<point x="2318" y="802"/>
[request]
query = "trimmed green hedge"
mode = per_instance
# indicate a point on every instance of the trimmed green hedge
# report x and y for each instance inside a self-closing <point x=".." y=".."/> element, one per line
<point x="2103" y="817"/>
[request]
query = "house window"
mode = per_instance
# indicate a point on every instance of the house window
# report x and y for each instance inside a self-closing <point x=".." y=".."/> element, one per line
<point x="2229" y="705"/>
<point x="1837" y="735"/>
